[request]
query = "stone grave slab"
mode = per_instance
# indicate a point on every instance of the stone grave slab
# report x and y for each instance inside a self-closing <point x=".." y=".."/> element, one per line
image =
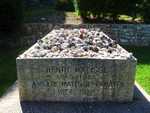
<point x="78" y="64"/>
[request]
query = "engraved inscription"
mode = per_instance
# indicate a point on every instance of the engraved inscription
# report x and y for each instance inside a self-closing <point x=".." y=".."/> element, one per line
<point x="71" y="87"/>
<point x="75" y="84"/>
<point x="80" y="69"/>
<point x="79" y="80"/>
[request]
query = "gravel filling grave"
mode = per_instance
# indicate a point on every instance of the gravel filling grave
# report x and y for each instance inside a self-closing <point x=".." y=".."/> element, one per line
<point x="70" y="43"/>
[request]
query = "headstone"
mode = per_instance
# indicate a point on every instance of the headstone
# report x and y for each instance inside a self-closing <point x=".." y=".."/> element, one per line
<point x="76" y="64"/>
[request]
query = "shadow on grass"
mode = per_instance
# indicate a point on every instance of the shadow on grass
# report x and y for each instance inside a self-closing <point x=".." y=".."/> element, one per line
<point x="143" y="66"/>
<point x="141" y="53"/>
<point x="7" y="69"/>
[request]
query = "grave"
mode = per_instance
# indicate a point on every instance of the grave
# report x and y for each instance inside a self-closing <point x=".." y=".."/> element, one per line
<point x="76" y="64"/>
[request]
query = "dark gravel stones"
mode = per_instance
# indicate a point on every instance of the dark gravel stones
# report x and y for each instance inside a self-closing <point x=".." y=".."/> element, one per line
<point x="77" y="43"/>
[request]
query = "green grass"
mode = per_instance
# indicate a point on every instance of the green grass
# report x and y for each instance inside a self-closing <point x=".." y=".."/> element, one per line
<point x="143" y="76"/>
<point x="143" y="67"/>
<point x="8" y="67"/>
<point x="130" y="18"/>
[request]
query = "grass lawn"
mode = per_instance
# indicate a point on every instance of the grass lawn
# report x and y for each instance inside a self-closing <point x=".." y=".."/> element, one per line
<point x="143" y="67"/>
<point x="8" y="67"/>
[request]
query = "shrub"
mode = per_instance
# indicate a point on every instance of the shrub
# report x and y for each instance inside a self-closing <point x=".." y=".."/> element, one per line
<point x="111" y="8"/>
<point x="145" y="11"/>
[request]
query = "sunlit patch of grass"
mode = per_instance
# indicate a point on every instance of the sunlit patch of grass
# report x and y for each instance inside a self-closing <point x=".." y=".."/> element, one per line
<point x="130" y="18"/>
<point x="143" y="76"/>
<point x="125" y="17"/>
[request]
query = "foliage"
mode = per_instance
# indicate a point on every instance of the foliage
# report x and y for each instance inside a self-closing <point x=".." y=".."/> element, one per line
<point x="10" y="16"/>
<point x="113" y="8"/>
<point x="66" y="5"/>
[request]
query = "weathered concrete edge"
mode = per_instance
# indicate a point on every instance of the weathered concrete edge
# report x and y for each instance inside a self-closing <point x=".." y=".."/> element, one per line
<point x="145" y="94"/>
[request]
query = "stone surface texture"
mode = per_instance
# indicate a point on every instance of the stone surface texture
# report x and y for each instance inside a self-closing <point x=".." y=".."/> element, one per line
<point x="77" y="42"/>
<point x="76" y="78"/>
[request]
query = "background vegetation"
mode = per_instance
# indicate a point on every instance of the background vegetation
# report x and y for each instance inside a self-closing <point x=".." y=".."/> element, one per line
<point x="10" y="15"/>
<point x="112" y="9"/>
<point x="10" y="20"/>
